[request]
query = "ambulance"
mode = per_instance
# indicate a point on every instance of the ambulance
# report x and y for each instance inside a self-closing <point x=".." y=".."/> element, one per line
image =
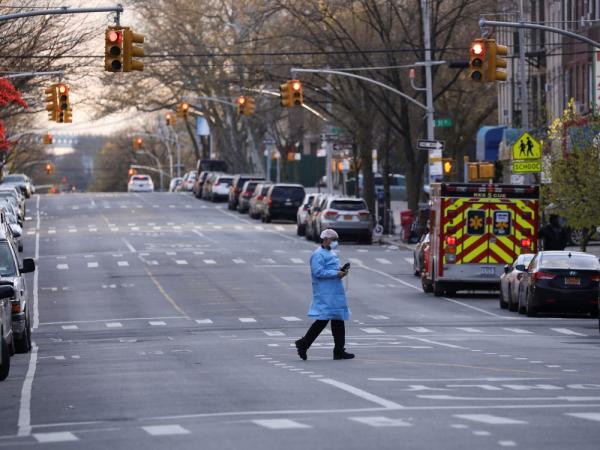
<point x="475" y="230"/>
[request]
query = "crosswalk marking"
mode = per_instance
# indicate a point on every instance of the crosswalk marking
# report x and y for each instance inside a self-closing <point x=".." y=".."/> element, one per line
<point x="273" y="333"/>
<point x="51" y="231"/>
<point x="238" y="227"/>
<point x="381" y="421"/>
<point x="72" y="230"/>
<point x="92" y="265"/>
<point x="489" y="419"/>
<point x="373" y="330"/>
<point x="239" y="261"/>
<point x="593" y="416"/>
<point x="217" y="227"/>
<point x="181" y="262"/>
<point x="258" y="227"/>
<point x="157" y="323"/>
<point x="55" y="436"/>
<point x="62" y="266"/>
<point x="356" y="261"/>
<point x="122" y="263"/>
<point x="165" y="430"/>
<point x="152" y="262"/>
<point x="209" y="261"/>
<point x="378" y="317"/>
<point x="567" y="332"/>
<point x="279" y="228"/>
<point x="420" y="329"/>
<point x="247" y="319"/>
<point x="383" y="261"/>
<point x="280" y="424"/>
<point x="518" y="330"/>
<point x="297" y="261"/>
<point x="70" y="327"/>
<point x="114" y="324"/>
<point x="469" y="330"/>
<point x="204" y="321"/>
<point x="291" y="318"/>
<point x="409" y="260"/>
<point x="268" y="260"/>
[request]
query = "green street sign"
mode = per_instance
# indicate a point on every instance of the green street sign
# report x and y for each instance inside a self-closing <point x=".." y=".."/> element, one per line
<point x="443" y="123"/>
<point x="528" y="166"/>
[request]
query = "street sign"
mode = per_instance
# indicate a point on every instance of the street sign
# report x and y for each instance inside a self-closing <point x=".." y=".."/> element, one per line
<point x="528" y="166"/>
<point x="443" y="123"/>
<point x="526" y="147"/>
<point x="423" y="144"/>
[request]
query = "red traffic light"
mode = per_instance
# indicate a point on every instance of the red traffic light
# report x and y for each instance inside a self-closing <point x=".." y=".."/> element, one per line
<point x="296" y="85"/>
<point x="62" y="88"/>
<point x="477" y="48"/>
<point x="114" y="36"/>
<point x="241" y="100"/>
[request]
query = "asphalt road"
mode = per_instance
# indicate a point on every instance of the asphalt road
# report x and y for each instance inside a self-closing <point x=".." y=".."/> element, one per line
<point x="163" y="320"/>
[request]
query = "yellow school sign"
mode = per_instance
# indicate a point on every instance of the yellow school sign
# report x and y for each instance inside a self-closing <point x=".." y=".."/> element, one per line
<point x="526" y="155"/>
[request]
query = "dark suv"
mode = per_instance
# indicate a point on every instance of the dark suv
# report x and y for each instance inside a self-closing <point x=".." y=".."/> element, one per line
<point x="236" y="188"/>
<point x="282" y="202"/>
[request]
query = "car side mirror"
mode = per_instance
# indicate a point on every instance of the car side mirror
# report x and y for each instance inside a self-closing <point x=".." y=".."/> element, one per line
<point x="28" y="265"/>
<point x="507" y="268"/>
<point x="6" y="292"/>
<point x="521" y="267"/>
<point x="15" y="230"/>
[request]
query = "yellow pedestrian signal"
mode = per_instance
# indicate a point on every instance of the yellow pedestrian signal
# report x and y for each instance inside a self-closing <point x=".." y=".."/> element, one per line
<point x="241" y="105"/>
<point x="495" y="61"/>
<point x="131" y="51"/>
<point x="297" y="94"/>
<point x="477" y="62"/>
<point x="113" y="49"/>
<point x="170" y="119"/>
<point x="138" y="143"/>
<point x="291" y="93"/>
<point x="49" y="168"/>
<point x="447" y="166"/>
<point x="183" y="109"/>
<point x="245" y="105"/>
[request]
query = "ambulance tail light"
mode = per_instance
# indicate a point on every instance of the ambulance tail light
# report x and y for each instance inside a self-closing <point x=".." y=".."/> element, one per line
<point x="451" y="249"/>
<point x="526" y="245"/>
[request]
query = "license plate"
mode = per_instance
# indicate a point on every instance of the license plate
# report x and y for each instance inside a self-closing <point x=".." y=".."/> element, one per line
<point x="573" y="281"/>
<point x="348" y="217"/>
<point x="488" y="271"/>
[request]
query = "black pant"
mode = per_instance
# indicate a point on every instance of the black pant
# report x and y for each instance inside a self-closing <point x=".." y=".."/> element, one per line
<point x="337" y="329"/>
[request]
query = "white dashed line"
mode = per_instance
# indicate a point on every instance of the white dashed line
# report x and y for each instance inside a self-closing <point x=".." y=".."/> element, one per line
<point x="273" y="333"/>
<point x="297" y="261"/>
<point x="181" y="262"/>
<point x="204" y="321"/>
<point x="378" y="317"/>
<point x="70" y="327"/>
<point x="383" y="261"/>
<point x="420" y="330"/>
<point x="490" y="419"/>
<point x="157" y="323"/>
<point x="469" y="330"/>
<point x="280" y="424"/>
<point x="518" y="330"/>
<point x="567" y="332"/>
<point x="92" y="265"/>
<point x="209" y="261"/>
<point x="122" y="263"/>
<point x="165" y="430"/>
<point x="247" y="319"/>
<point x="373" y="331"/>
<point x="58" y="436"/>
<point x="62" y="266"/>
<point x="381" y="421"/>
<point x="114" y="325"/>
<point x="239" y="261"/>
<point x="291" y="318"/>
<point x="593" y="416"/>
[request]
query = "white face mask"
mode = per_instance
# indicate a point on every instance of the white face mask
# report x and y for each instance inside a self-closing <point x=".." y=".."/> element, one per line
<point x="333" y="245"/>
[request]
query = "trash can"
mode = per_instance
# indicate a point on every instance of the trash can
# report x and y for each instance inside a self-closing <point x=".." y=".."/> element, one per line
<point x="406" y="221"/>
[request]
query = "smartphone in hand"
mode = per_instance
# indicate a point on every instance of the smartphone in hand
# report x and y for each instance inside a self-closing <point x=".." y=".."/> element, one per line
<point x="345" y="267"/>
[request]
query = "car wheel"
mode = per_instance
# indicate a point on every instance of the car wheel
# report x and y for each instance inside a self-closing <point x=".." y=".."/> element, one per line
<point x="530" y="309"/>
<point x="300" y="230"/>
<point x="426" y="285"/>
<point x="503" y="304"/>
<point x="5" y="362"/>
<point x="23" y="345"/>
<point x="438" y="289"/>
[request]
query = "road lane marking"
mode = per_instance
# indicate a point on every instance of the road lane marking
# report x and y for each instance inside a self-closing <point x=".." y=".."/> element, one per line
<point x="166" y="295"/>
<point x="92" y="265"/>
<point x="114" y="325"/>
<point x="24" y="422"/>
<point x="567" y="332"/>
<point x="469" y="330"/>
<point x="258" y="227"/>
<point x="280" y="228"/>
<point x="297" y="261"/>
<point x="595" y="417"/>
<point x="378" y="317"/>
<point x="373" y="331"/>
<point x="57" y="436"/>
<point x="291" y="318"/>
<point x="122" y="263"/>
<point x="280" y="424"/>
<point x="239" y="261"/>
<point x="507" y="443"/>
<point x="181" y="262"/>
<point x="247" y="319"/>
<point x="356" y="261"/>
<point x="204" y="321"/>
<point x="361" y="393"/>
<point x="490" y="419"/>
<point x="209" y="261"/>
<point x="273" y="333"/>
<point x="157" y="323"/>
<point x="518" y="330"/>
<point x="205" y="237"/>
<point x="62" y="266"/>
<point x="381" y="421"/>
<point x="268" y="260"/>
<point x="70" y="327"/>
<point x="128" y="245"/>
<point x="51" y="231"/>
<point x="165" y="430"/>
<point x="420" y="329"/>
<point x="383" y="261"/>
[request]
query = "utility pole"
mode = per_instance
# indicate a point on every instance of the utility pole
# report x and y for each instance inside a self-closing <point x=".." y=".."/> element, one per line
<point x="522" y="74"/>
<point x="428" y="78"/>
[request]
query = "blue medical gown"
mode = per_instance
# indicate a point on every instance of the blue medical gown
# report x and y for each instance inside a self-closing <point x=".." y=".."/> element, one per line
<point x="329" y="298"/>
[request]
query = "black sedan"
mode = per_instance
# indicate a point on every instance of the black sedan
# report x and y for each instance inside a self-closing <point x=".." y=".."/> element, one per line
<point x="510" y="280"/>
<point x="560" y="281"/>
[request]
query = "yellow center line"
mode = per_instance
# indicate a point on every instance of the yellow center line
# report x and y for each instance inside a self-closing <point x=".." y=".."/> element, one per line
<point x="166" y="295"/>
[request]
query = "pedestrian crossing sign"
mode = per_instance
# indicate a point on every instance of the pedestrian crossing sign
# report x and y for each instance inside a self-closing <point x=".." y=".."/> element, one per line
<point x="526" y="147"/>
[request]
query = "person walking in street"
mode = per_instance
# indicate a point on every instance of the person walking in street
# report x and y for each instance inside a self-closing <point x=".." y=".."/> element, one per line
<point x="553" y="234"/>
<point x="329" y="298"/>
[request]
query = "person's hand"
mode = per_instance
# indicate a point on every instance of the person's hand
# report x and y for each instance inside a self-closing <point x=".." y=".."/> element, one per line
<point x="342" y="274"/>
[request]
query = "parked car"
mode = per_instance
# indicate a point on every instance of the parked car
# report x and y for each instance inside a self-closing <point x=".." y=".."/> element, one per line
<point x="311" y="232"/>
<point x="188" y="181"/>
<point x="236" y="188"/>
<point x="199" y="183"/>
<point x="220" y="187"/>
<point x="6" y="333"/>
<point x="243" y="203"/>
<point x="257" y="201"/>
<point x="20" y="181"/>
<point x="419" y="254"/>
<point x="282" y="202"/>
<point x="510" y="280"/>
<point x="13" y="227"/>
<point x="348" y="216"/>
<point x="207" y="185"/>
<point x="302" y="214"/>
<point x="175" y="182"/>
<point x="140" y="183"/>
<point x="562" y="281"/>
<point x="14" y="198"/>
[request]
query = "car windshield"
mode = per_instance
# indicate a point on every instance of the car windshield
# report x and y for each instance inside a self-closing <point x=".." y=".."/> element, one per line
<point x="140" y="178"/>
<point x="8" y="267"/>
<point x="291" y="192"/>
<point x="225" y="181"/>
<point x="250" y="186"/>
<point x="581" y="262"/>
<point x="13" y="178"/>
<point x="348" y="205"/>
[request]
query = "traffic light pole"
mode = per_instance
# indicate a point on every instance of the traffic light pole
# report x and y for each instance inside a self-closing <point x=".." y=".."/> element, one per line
<point x="64" y="10"/>
<point x="429" y="111"/>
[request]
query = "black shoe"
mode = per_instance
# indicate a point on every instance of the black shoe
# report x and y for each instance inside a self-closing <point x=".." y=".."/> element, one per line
<point x="301" y="349"/>
<point x="343" y="354"/>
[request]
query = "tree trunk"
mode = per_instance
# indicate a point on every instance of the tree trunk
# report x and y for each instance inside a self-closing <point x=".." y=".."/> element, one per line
<point x="585" y="238"/>
<point x="192" y="138"/>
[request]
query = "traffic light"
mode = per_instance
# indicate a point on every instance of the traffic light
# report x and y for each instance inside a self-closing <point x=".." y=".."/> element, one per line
<point x="47" y="139"/>
<point x="113" y="49"/>
<point x="64" y="113"/>
<point x="481" y="171"/>
<point x="241" y="105"/>
<point x="297" y="95"/>
<point x="49" y="168"/>
<point x="132" y="172"/>
<point x="291" y="93"/>
<point x="447" y="165"/>
<point x="285" y="93"/>
<point x="138" y="143"/>
<point x="131" y="51"/>
<point x="250" y="106"/>
<point x="182" y="109"/>
<point x="495" y="61"/>
<point x="52" y="102"/>
<point x="477" y="64"/>
<point x="170" y="119"/>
